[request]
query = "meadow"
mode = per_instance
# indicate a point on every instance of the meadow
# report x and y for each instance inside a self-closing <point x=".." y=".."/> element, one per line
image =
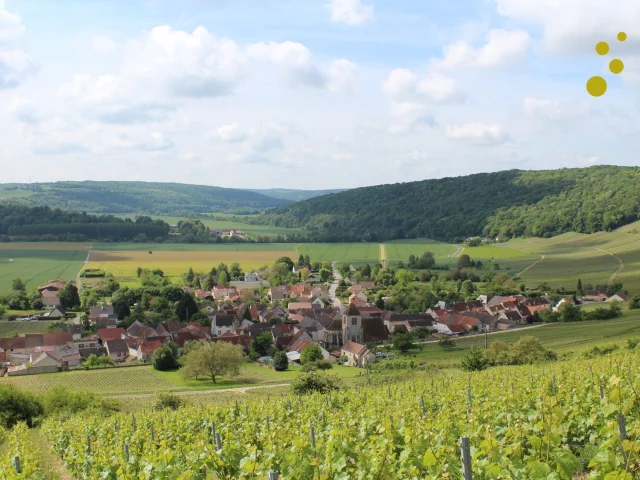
<point x="144" y="379"/>
<point x="37" y="263"/>
<point x="400" y="250"/>
<point x="353" y="253"/>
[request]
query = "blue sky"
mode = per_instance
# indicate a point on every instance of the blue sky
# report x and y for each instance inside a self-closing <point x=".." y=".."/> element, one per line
<point x="312" y="94"/>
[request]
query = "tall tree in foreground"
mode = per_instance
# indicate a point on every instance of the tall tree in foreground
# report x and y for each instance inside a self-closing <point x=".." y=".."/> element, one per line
<point x="215" y="359"/>
<point x="69" y="297"/>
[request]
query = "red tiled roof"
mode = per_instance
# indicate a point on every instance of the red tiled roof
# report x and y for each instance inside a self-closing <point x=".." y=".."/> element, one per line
<point x="353" y="347"/>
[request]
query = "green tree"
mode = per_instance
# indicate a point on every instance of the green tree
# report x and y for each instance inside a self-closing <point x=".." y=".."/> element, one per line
<point x="579" y="289"/>
<point x="223" y="278"/>
<point x="190" y="276"/>
<point x="216" y="359"/>
<point x="36" y="301"/>
<point x="403" y="341"/>
<point x="262" y="343"/>
<point x="18" y="406"/>
<point x="164" y="359"/>
<point x="446" y="343"/>
<point x="287" y="261"/>
<point x="325" y="275"/>
<point x="236" y="272"/>
<point x="18" y="285"/>
<point x="186" y="307"/>
<point x="280" y="361"/>
<point x="498" y="353"/>
<point x="463" y="261"/>
<point x="69" y="298"/>
<point x="315" y="381"/>
<point x="474" y="360"/>
<point x="312" y="353"/>
<point x="301" y="260"/>
<point x="529" y="350"/>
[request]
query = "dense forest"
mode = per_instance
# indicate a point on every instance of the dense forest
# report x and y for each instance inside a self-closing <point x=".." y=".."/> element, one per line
<point x="294" y="195"/>
<point x="139" y="198"/>
<point x="509" y="203"/>
<point x="44" y="223"/>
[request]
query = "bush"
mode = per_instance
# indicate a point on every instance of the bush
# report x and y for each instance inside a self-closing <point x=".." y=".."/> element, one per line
<point x="93" y="361"/>
<point x="166" y="401"/>
<point x="163" y="359"/>
<point x="498" y="353"/>
<point x="446" y="343"/>
<point x="58" y="400"/>
<point x="403" y="342"/>
<point x="316" y="382"/>
<point x="317" y="365"/>
<point x="475" y="360"/>
<point x="529" y="350"/>
<point x="280" y="362"/>
<point x="19" y="406"/>
<point x="600" y="351"/>
<point x="311" y="354"/>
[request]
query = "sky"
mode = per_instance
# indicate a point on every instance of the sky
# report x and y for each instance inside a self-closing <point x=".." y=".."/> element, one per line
<point x="312" y="94"/>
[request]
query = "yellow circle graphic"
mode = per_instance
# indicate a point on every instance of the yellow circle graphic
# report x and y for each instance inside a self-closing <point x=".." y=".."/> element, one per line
<point x="622" y="37"/>
<point x="602" y="48"/>
<point x="616" y="66"/>
<point x="597" y="86"/>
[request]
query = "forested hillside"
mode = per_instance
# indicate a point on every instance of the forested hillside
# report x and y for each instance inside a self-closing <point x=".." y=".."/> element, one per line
<point x="509" y="203"/>
<point x="44" y="223"/>
<point x="139" y="198"/>
<point x="294" y="195"/>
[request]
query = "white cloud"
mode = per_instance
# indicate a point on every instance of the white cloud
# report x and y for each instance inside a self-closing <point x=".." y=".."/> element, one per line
<point x="15" y="67"/>
<point x="11" y="25"/>
<point x="350" y="12"/>
<point x="552" y="109"/>
<point x="186" y="64"/>
<point x="406" y="117"/>
<point x="342" y="76"/>
<point x="503" y="48"/>
<point x="102" y="44"/>
<point x="293" y="58"/>
<point x="575" y="26"/>
<point x="23" y="111"/>
<point x="402" y="84"/>
<point x="229" y="133"/>
<point x="478" y="133"/>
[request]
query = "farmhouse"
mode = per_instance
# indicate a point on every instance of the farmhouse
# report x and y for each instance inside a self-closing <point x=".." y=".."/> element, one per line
<point x="357" y="355"/>
<point x="596" y="296"/>
<point x="618" y="297"/>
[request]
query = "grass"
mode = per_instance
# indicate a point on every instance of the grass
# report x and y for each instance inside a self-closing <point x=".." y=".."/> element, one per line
<point x="145" y="380"/>
<point x="355" y="253"/>
<point x="400" y="250"/>
<point x="37" y="263"/>
<point x="562" y="338"/>
<point x="124" y="263"/>
<point x="8" y="329"/>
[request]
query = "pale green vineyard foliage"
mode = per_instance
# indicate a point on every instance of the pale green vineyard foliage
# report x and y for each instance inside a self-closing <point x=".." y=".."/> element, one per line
<point x="16" y="442"/>
<point x="528" y="431"/>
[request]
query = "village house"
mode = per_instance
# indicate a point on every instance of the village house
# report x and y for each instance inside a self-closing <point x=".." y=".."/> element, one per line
<point x="357" y="355"/>
<point x="358" y="299"/>
<point x="223" y="323"/>
<point x="252" y="277"/>
<point x="595" y="296"/>
<point x="106" y="334"/>
<point x="392" y="320"/>
<point x="38" y="363"/>
<point x="91" y="341"/>
<point x="118" y="350"/>
<point x="49" y="294"/>
<point x="618" y="297"/>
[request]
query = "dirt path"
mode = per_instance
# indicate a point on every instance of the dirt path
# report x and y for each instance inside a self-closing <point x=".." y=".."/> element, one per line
<point x="197" y="392"/>
<point x="52" y="465"/>
<point x="511" y="330"/>
<point x="620" y="268"/>
<point x="458" y="252"/>
<point x="383" y="255"/>
<point x="542" y="257"/>
<point x="84" y="266"/>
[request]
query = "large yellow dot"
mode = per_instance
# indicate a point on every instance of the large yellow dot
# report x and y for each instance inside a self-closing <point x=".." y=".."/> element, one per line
<point x="602" y="48"/>
<point x="597" y="86"/>
<point x="622" y="37"/>
<point x="616" y="66"/>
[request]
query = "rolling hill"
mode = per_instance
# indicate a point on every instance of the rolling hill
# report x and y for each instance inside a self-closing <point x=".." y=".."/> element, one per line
<point x="138" y="197"/>
<point x="294" y="195"/>
<point x="510" y="203"/>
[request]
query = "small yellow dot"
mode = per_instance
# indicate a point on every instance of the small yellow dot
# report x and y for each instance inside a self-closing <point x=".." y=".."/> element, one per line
<point x="622" y="37"/>
<point x="602" y="48"/>
<point x="597" y="86"/>
<point x="616" y="66"/>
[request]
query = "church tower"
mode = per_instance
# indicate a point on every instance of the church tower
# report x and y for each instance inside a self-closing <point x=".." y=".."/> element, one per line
<point x="352" y="325"/>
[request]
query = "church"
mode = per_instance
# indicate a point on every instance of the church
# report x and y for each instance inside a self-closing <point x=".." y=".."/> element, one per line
<point x="353" y="327"/>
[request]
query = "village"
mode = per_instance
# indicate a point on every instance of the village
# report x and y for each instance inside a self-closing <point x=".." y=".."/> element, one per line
<point x="295" y="315"/>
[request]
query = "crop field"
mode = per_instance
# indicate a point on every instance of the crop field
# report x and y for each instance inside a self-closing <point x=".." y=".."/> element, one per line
<point x="354" y="253"/>
<point x="595" y="259"/>
<point x="400" y="250"/>
<point x="18" y="328"/>
<point x="36" y="263"/>
<point x="123" y="263"/>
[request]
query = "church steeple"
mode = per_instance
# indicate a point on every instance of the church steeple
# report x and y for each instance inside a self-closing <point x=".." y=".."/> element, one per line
<point x="352" y="324"/>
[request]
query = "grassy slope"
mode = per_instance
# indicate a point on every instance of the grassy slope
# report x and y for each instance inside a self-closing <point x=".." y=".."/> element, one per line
<point x="400" y="250"/>
<point x="143" y="379"/>
<point x="341" y="252"/>
<point x="562" y="338"/>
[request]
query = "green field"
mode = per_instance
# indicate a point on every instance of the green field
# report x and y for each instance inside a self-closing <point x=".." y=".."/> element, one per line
<point x="400" y="250"/>
<point x="38" y="263"/>
<point x="251" y="230"/>
<point x="143" y="380"/>
<point x="562" y="338"/>
<point x="18" y="328"/>
<point x="193" y="247"/>
<point x="354" y="253"/>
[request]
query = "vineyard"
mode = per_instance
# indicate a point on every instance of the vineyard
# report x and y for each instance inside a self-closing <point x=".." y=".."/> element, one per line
<point x="552" y="421"/>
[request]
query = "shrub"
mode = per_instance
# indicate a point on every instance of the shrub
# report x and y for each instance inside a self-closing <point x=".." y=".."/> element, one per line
<point x="529" y="350"/>
<point x="93" y="361"/>
<point x="446" y="343"/>
<point x="475" y="360"/>
<point x="19" y="406"/>
<point x="280" y="362"/>
<point x="317" y="365"/>
<point x="312" y="353"/>
<point x="59" y="400"/>
<point x="316" y="382"/>
<point x="165" y="400"/>
<point x="164" y="359"/>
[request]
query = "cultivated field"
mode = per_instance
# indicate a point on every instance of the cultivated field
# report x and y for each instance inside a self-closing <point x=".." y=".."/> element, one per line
<point x="19" y="328"/>
<point x="354" y="253"/>
<point x="36" y="263"/>
<point x="400" y="250"/>
<point x="123" y="263"/>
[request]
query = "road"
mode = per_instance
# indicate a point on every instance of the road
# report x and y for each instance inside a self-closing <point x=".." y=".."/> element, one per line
<point x="542" y="257"/>
<point x="335" y="301"/>
<point x="511" y="330"/>
<point x="457" y="252"/>
<point x="84" y="267"/>
<point x="196" y="392"/>
<point x="383" y="255"/>
<point x="620" y="268"/>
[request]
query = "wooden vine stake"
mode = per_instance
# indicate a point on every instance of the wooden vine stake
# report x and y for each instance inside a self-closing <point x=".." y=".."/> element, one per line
<point x="465" y="453"/>
<point x="622" y="429"/>
<point x="16" y="462"/>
